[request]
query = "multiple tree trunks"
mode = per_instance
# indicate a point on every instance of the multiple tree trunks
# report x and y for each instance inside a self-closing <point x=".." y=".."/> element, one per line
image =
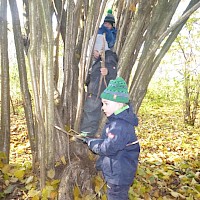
<point x="145" y="35"/>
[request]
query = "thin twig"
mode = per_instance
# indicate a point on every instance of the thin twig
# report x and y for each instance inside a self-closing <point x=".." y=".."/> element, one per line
<point x="98" y="190"/>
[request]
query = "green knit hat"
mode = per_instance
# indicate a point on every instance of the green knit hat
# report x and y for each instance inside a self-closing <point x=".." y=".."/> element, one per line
<point x="117" y="91"/>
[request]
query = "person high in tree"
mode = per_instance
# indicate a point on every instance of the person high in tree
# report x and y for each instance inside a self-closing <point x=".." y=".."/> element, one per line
<point x="108" y="27"/>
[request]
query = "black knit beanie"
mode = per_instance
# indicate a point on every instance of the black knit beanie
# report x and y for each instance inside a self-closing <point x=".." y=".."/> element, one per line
<point x="109" y="17"/>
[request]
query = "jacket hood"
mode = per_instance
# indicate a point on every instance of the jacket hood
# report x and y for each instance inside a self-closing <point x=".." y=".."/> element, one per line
<point x="127" y="115"/>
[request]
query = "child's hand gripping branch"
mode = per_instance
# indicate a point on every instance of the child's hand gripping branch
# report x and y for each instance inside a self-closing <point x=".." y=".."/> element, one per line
<point x="93" y="143"/>
<point x="104" y="71"/>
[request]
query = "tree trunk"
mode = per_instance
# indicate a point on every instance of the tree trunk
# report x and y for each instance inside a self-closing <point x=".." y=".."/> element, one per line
<point x="154" y="36"/>
<point x="34" y="60"/>
<point x="46" y="27"/>
<point x="5" y="86"/>
<point x="79" y="174"/>
<point x="83" y="64"/>
<point x="67" y="108"/>
<point x="23" y="76"/>
<point x="61" y="17"/>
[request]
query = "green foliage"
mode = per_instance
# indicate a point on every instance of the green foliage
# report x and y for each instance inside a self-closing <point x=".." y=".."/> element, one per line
<point x="187" y="50"/>
<point x="15" y="91"/>
<point x="183" y="59"/>
<point x="163" y="91"/>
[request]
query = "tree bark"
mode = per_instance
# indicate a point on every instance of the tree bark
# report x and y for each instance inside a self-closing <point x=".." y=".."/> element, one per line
<point x="46" y="26"/>
<point x="83" y="64"/>
<point x="34" y="60"/>
<point x="5" y="85"/>
<point x="23" y="76"/>
<point x="61" y="16"/>
<point x="67" y="108"/>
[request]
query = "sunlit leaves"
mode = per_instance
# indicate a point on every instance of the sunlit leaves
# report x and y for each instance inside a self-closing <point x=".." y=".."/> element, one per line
<point x="20" y="144"/>
<point x="63" y="160"/>
<point x="132" y="7"/>
<point x="47" y="192"/>
<point x="77" y="193"/>
<point x="100" y="185"/>
<point x="51" y="173"/>
<point x="29" y="179"/>
<point x="19" y="174"/>
<point x="170" y="155"/>
<point x="34" y="193"/>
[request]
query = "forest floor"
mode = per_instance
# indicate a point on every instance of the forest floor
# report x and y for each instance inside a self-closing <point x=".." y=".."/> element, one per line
<point x="169" y="166"/>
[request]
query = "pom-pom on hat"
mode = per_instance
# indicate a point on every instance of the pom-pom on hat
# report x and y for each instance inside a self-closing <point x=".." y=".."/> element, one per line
<point x="117" y="91"/>
<point x="109" y="17"/>
<point x="109" y="11"/>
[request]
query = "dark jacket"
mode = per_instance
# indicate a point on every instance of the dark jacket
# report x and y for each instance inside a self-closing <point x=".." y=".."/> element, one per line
<point x="93" y="79"/>
<point x="117" y="161"/>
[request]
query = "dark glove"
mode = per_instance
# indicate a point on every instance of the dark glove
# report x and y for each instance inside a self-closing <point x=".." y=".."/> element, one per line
<point x="85" y="140"/>
<point x="93" y="144"/>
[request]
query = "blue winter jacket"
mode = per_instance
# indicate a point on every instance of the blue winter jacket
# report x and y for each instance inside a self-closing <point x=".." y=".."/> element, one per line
<point x="111" y="35"/>
<point x="118" y="161"/>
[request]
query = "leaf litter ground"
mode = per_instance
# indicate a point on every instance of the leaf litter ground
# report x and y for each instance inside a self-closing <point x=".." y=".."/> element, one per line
<point x="169" y="166"/>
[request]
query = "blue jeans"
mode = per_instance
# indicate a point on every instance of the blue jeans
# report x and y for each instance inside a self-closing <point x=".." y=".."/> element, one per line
<point x="91" y="115"/>
<point x="117" y="192"/>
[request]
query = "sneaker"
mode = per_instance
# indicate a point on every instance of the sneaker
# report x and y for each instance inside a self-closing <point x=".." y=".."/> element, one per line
<point x="86" y="134"/>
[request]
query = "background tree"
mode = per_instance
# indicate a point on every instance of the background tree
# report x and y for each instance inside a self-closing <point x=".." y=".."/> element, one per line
<point x="186" y="50"/>
<point x="154" y="35"/>
<point x="23" y="75"/>
<point x="5" y="85"/>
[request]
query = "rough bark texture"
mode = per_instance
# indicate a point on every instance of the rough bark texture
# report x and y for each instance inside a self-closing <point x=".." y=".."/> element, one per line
<point x="46" y="27"/>
<point x="5" y="85"/>
<point x="34" y="60"/>
<point x="83" y="64"/>
<point x="18" y="38"/>
<point x="61" y="16"/>
<point x="78" y="173"/>
<point x="67" y="108"/>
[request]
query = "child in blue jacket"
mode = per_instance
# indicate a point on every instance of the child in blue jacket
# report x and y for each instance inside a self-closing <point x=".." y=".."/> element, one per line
<point x="109" y="29"/>
<point x="118" y="147"/>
